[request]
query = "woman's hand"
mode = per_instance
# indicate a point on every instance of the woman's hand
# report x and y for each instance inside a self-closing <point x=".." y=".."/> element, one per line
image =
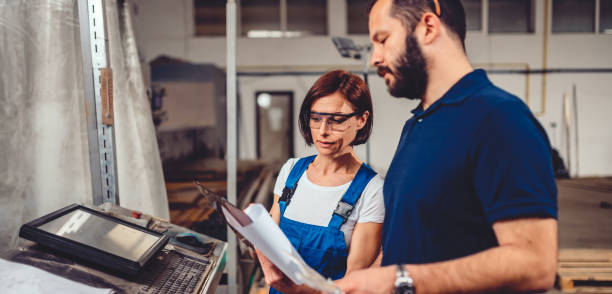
<point x="273" y="276"/>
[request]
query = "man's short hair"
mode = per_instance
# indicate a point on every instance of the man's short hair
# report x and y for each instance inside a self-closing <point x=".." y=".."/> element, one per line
<point x="409" y="12"/>
<point x="352" y="87"/>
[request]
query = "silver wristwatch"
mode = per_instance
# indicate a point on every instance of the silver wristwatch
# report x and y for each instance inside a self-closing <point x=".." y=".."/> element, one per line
<point x="403" y="282"/>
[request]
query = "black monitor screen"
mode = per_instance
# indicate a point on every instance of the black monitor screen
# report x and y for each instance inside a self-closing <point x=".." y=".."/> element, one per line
<point x="98" y="232"/>
<point x="95" y="237"/>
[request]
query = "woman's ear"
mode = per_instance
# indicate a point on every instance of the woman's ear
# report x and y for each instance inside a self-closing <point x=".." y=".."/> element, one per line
<point x="362" y="119"/>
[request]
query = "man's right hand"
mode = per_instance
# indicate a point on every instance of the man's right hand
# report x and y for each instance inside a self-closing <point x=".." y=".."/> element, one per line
<point x="370" y="280"/>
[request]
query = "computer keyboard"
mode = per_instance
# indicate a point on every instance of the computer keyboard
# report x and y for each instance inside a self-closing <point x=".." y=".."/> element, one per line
<point x="173" y="272"/>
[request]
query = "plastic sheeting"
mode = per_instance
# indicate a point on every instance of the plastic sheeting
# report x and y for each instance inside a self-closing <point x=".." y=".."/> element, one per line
<point x="44" y="157"/>
<point x="141" y="180"/>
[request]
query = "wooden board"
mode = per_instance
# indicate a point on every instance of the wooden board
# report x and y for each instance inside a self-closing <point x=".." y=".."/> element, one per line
<point x="585" y="270"/>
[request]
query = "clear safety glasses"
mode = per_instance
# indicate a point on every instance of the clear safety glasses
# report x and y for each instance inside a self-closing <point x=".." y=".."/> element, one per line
<point x="333" y="121"/>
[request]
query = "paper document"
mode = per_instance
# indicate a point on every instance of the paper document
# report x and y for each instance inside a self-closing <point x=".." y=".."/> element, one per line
<point x="18" y="278"/>
<point x="265" y="234"/>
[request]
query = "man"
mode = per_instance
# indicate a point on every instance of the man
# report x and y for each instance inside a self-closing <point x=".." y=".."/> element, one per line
<point x="470" y="197"/>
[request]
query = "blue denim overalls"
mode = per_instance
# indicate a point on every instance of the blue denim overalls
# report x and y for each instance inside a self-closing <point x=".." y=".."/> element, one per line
<point x="322" y="248"/>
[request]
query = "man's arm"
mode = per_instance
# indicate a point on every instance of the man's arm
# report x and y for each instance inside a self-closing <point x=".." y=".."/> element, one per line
<point x="524" y="261"/>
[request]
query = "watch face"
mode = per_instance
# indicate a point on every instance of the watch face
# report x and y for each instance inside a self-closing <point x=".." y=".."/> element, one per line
<point x="404" y="289"/>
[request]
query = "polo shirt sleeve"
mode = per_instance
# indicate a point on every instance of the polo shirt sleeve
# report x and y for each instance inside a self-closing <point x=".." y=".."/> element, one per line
<point x="513" y="175"/>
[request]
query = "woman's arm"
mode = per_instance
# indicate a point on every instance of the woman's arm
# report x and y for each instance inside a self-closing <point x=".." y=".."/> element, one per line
<point x="275" y="210"/>
<point x="378" y="261"/>
<point x="365" y="246"/>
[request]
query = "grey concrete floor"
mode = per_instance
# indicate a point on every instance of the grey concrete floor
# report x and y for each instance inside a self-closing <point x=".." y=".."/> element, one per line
<point x="584" y="220"/>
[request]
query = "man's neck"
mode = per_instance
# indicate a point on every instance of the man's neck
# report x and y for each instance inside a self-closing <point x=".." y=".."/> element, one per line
<point x="443" y="74"/>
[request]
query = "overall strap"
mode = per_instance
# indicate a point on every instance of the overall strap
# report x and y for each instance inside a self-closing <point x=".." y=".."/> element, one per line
<point x="292" y="180"/>
<point x="346" y="204"/>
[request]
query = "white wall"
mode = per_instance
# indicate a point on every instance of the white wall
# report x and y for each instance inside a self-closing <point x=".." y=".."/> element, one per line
<point x="166" y="27"/>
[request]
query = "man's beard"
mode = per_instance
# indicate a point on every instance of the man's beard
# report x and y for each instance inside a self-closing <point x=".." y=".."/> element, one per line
<point x="410" y="72"/>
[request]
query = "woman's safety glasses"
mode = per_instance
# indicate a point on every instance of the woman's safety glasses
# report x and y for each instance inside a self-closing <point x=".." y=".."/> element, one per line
<point x="333" y="121"/>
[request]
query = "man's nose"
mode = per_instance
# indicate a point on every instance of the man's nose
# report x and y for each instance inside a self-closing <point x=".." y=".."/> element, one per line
<point x="376" y="58"/>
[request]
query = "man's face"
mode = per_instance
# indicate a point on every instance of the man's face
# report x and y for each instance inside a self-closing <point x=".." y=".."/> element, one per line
<point x="397" y="54"/>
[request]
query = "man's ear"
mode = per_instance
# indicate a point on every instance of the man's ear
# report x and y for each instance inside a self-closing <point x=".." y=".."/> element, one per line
<point x="432" y="25"/>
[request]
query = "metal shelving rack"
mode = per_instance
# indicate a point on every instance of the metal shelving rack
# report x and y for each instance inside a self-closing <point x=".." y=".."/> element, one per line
<point x="98" y="86"/>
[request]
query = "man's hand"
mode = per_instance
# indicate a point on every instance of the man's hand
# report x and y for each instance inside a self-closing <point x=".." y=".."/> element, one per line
<point x="371" y="280"/>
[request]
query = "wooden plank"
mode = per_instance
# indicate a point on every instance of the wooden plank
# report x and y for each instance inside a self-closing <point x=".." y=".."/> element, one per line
<point x="571" y="271"/>
<point x="584" y="284"/>
<point x="599" y="290"/>
<point x="566" y="284"/>
<point x="584" y="264"/>
<point x="588" y="276"/>
<point x="585" y="255"/>
<point x="185" y="198"/>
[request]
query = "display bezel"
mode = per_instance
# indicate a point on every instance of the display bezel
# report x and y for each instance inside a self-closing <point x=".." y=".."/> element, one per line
<point x="32" y="232"/>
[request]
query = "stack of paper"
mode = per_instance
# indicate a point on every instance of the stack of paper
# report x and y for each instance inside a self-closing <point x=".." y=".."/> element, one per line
<point x="17" y="278"/>
<point x="264" y="234"/>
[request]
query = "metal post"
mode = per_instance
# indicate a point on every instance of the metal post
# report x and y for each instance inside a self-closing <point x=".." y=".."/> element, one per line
<point x="365" y="56"/>
<point x="97" y="80"/>
<point x="576" y="139"/>
<point x="231" y="154"/>
<point x="568" y="143"/>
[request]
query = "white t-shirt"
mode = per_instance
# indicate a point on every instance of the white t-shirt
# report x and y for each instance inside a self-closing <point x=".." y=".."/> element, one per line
<point x="314" y="204"/>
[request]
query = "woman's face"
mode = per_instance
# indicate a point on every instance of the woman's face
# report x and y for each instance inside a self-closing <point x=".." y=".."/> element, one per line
<point x="332" y="135"/>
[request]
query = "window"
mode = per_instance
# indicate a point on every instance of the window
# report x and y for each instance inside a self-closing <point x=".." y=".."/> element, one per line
<point x="357" y="14"/>
<point x="308" y="17"/>
<point x="511" y="16"/>
<point x="283" y="18"/>
<point x="605" y="16"/>
<point x="473" y="14"/>
<point x="210" y="17"/>
<point x="573" y="16"/>
<point x="259" y="16"/>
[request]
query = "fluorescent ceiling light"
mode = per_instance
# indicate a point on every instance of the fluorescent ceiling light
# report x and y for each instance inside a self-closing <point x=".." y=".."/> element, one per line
<point x="273" y="34"/>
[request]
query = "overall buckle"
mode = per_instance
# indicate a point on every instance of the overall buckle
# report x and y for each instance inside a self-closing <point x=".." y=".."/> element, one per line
<point x="343" y="210"/>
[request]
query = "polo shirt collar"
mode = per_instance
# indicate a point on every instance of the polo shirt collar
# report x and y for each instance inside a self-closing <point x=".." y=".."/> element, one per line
<point x="467" y="85"/>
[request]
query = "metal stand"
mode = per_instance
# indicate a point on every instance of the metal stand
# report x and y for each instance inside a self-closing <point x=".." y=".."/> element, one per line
<point x="98" y="85"/>
<point x="232" y="139"/>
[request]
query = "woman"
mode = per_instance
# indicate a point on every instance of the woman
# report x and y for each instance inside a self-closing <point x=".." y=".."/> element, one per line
<point x="330" y="206"/>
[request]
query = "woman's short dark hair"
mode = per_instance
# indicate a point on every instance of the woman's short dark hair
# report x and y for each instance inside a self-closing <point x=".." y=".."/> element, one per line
<point x="354" y="90"/>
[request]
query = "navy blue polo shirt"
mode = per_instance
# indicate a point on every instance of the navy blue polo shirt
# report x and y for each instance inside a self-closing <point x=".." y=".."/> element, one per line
<point x="474" y="157"/>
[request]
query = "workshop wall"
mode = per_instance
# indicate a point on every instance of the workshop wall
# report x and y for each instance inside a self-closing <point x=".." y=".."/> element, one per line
<point x="164" y="27"/>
